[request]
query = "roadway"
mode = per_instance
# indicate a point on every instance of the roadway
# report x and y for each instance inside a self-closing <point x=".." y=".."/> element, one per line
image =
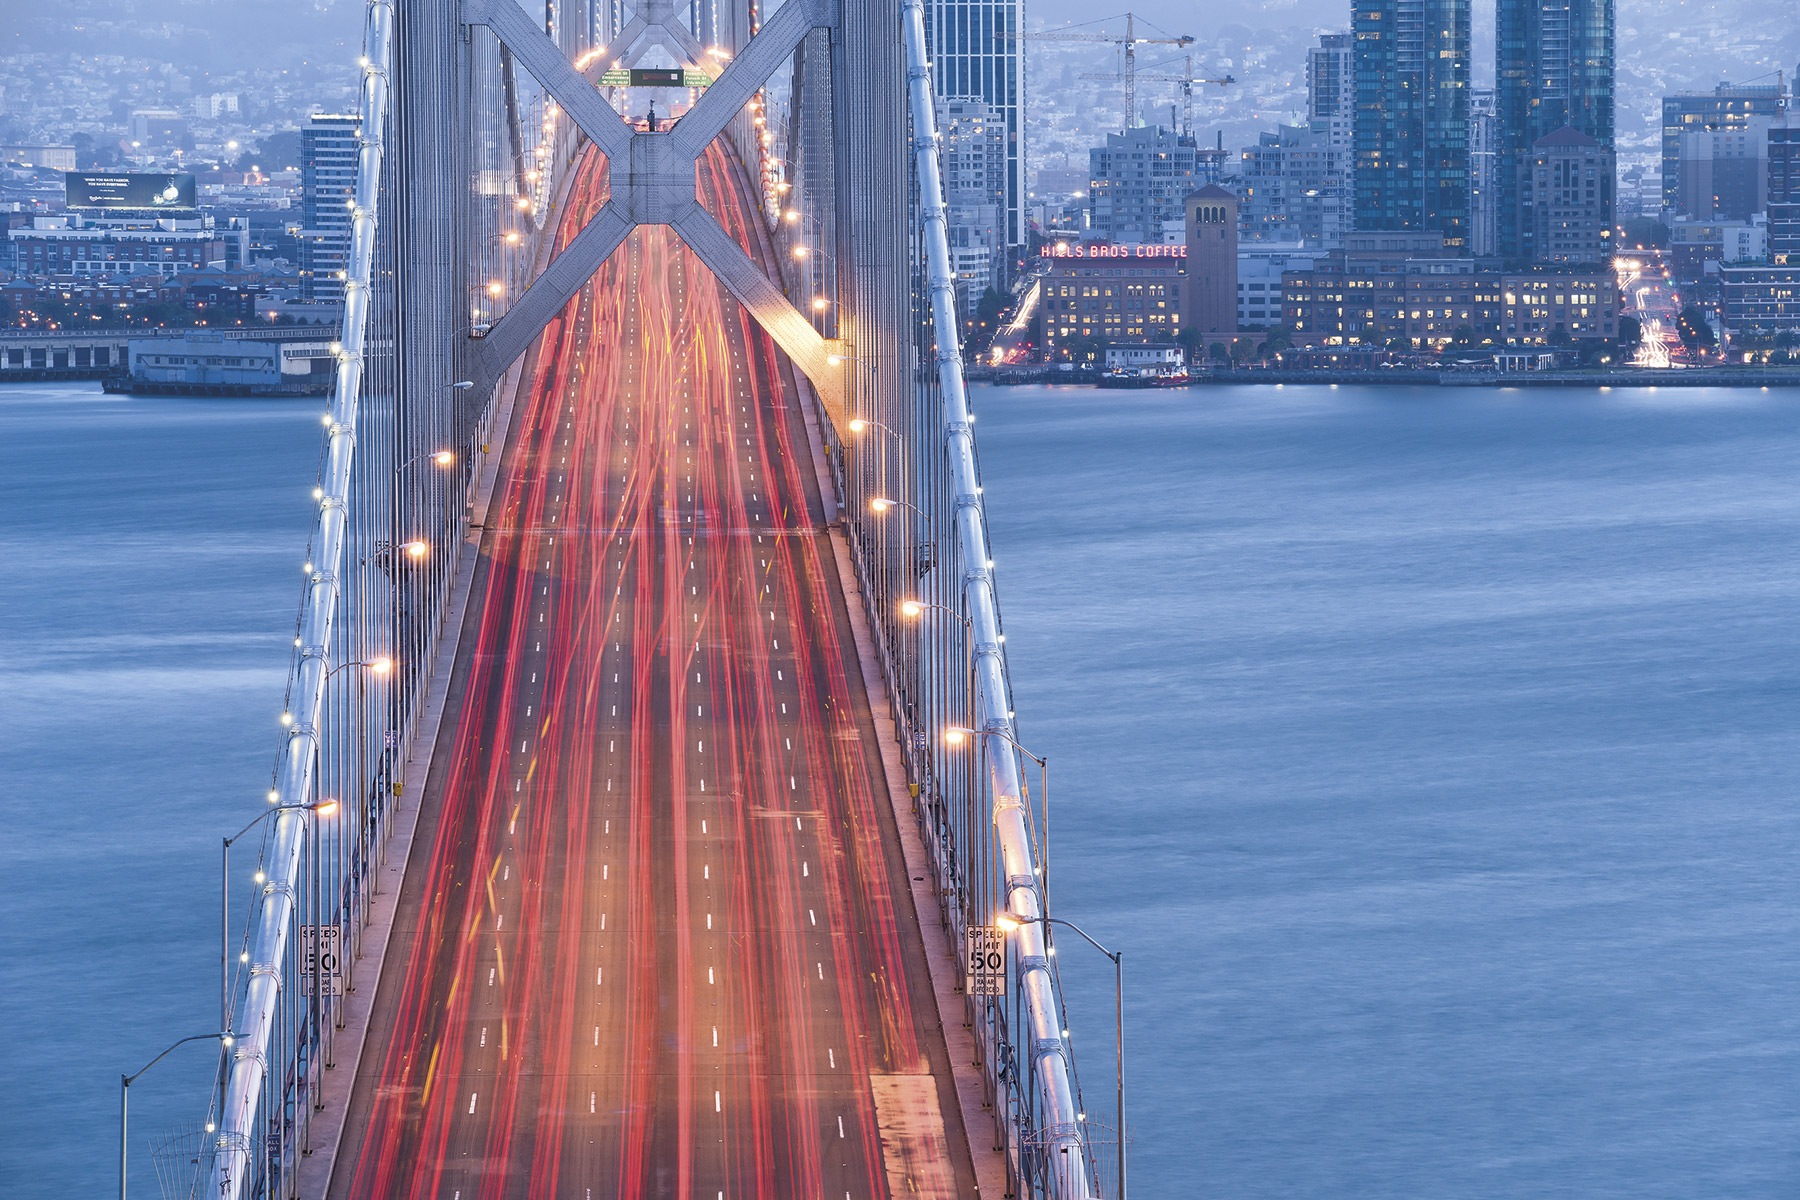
<point x="654" y="938"/>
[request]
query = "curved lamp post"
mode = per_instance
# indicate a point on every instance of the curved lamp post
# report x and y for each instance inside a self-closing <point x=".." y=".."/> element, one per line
<point x="125" y="1082"/>
<point x="1010" y="921"/>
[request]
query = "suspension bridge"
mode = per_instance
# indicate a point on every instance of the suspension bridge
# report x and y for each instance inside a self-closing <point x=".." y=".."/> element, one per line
<point x="648" y="815"/>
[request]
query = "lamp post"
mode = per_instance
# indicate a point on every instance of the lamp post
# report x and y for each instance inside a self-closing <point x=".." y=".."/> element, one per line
<point x="324" y="808"/>
<point x="858" y="424"/>
<point x="442" y="458"/>
<point x="955" y="733"/>
<point x="1009" y="920"/>
<point x="125" y="1082"/>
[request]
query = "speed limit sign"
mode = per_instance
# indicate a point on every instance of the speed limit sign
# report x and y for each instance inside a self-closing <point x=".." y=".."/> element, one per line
<point x="319" y="945"/>
<point x="984" y="956"/>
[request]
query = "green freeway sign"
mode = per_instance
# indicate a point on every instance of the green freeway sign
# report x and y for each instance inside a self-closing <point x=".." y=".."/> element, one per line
<point x="655" y="77"/>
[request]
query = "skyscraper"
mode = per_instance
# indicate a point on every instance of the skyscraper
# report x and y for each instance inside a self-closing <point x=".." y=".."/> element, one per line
<point x="327" y="180"/>
<point x="1553" y="69"/>
<point x="977" y="54"/>
<point x="1412" y="117"/>
<point x="1331" y="88"/>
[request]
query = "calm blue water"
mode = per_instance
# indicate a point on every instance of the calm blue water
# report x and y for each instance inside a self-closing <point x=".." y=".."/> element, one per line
<point x="151" y="553"/>
<point x="1430" y="754"/>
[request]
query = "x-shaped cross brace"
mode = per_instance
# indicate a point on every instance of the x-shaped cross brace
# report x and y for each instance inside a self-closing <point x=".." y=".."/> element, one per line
<point x="658" y="189"/>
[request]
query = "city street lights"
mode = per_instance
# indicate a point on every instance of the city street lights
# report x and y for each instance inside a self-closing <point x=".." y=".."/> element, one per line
<point x="323" y="808"/>
<point x="1009" y="921"/>
<point x="125" y="1082"/>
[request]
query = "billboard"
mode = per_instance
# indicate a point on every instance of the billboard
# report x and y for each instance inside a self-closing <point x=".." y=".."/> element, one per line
<point x="94" y="189"/>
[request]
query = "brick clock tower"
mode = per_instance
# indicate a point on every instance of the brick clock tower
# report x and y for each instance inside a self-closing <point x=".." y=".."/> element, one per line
<point x="1212" y="261"/>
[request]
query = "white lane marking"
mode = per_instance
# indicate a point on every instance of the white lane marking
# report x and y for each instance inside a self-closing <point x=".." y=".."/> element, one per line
<point x="604" y="868"/>
<point x="841" y="1132"/>
<point x="597" y="975"/>
<point x="813" y="915"/>
<point x="602" y="922"/>
<point x="718" y="1108"/>
<point x="821" y="967"/>
<point x="490" y="976"/>
<point x="596" y="1035"/>
<point x="471" y="1103"/>
<point x="590" y="1109"/>
<point x="831" y="1057"/>
<point x="709" y="920"/>
<point x="715" y="1037"/>
<point x="505" y="874"/>
<point x="484" y="1035"/>
<point x="709" y="975"/>
<point x="499" y="920"/>
<point x="706" y="871"/>
<point x="702" y="826"/>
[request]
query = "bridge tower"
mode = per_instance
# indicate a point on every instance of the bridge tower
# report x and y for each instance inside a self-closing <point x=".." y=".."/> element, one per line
<point x="476" y="116"/>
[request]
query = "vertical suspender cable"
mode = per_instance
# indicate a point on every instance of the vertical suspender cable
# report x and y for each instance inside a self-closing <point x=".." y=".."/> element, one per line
<point x="1047" y="1055"/>
<point x="252" y="1055"/>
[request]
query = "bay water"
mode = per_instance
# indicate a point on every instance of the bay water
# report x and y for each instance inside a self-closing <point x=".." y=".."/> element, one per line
<point x="1429" y="753"/>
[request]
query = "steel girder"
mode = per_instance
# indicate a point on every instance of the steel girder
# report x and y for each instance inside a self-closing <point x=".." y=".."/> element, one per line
<point x="658" y="189"/>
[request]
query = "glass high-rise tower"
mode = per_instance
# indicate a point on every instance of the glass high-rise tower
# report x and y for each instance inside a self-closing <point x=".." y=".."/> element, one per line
<point x="1553" y="68"/>
<point x="977" y="54"/>
<point x="1412" y="117"/>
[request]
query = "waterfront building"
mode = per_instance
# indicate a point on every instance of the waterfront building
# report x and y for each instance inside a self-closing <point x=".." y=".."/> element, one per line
<point x="329" y="146"/>
<point x="1112" y="293"/>
<point x="977" y="53"/>
<point x="1728" y="106"/>
<point x="1261" y="266"/>
<point x="1567" y="199"/>
<point x="1553" y="63"/>
<point x="1212" y="260"/>
<point x="1412" y="117"/>
<point x="1380" y="289"/>
<point x="1137" y="180"/>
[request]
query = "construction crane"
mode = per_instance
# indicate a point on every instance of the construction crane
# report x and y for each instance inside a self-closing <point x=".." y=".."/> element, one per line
<point x="1187" y="80"/>
<point x="1131" y="41"/>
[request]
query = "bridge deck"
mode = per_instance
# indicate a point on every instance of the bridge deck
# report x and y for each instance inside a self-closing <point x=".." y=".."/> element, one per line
<point x="654" y="938"/>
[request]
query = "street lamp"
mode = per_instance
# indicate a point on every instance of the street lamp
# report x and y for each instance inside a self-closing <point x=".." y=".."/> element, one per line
<point x="442" y="458"/>
<point x="882" y="503"/>
<point x="954" y="734"/>
<point x="125" y="1082"/>
<point x="1009" y="921"/>
<point x="858" y="424"/>
<point x="323" y="808"/>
